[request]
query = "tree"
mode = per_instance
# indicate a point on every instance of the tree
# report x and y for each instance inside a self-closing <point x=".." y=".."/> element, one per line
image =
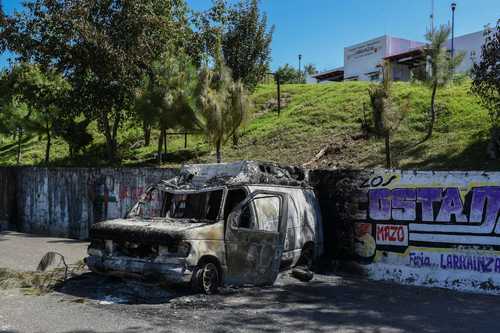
<point x="42" y="93"/>
<point x="74" y="132"/>
<point x="102" y="47"/>
<point x="246" y="39"/>
<point x="2" y="28"/>
<point x="387" y="115"/>
<point x="223" y="104"/>
<point x="486" y="84"/>
<point x="246" y="43"/>
<point x="310" y="69"/>
<point x="165" y="100"/>
<point x="287" y="74"/>
<point x="13" y="116"/>
<point x="441" y="65"/>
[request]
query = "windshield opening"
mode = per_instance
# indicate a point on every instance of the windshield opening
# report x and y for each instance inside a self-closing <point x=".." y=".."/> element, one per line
<point x="200" y="206"/>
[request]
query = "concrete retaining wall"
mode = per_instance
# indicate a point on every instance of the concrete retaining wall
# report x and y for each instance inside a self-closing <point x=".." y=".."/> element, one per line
<point x="425" y="228"/>
<point x="7" y="198"/>
<point x="66" y="201"/>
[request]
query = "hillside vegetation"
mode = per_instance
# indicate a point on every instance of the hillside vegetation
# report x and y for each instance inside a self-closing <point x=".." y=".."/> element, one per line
<point x="314" y="118"/>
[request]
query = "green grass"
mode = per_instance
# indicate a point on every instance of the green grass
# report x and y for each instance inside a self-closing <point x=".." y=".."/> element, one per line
<point x="315" y="117"/>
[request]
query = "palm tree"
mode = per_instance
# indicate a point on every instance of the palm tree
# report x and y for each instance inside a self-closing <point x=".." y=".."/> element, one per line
<point x="223" y="104"/>
<point x="441" y="67"/>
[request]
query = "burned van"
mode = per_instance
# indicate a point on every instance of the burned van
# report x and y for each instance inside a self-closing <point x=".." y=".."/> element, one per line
<point x="214" y="224"/>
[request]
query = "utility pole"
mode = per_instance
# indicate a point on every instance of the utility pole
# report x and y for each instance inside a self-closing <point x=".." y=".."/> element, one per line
<point x="453" y="7"/>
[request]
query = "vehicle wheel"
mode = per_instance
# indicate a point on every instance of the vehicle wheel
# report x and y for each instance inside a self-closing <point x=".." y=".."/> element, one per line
<point x="207" y="278"/>
<point x="307" y="257"/>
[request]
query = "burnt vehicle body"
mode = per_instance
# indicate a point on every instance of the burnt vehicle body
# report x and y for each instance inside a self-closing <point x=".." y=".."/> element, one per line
<point x="214" y="224"/>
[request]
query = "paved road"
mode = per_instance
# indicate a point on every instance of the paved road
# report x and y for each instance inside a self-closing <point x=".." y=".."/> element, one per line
<point x="330" y="303"/>
<point x="22" y="252"/>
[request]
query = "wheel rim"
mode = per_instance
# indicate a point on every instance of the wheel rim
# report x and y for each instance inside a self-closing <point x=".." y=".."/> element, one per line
<point x="210" y="277"/>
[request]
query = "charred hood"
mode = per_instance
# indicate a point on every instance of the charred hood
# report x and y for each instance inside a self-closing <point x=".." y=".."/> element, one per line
<point x="162" y="232"/>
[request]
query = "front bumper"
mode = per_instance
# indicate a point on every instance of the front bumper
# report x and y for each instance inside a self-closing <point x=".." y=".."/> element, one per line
<point x="172" y="270"/>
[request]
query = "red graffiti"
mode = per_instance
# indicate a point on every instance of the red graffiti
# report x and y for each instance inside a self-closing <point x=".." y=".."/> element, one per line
<point x="132" y="193"/>
<point x="391" y="233"/>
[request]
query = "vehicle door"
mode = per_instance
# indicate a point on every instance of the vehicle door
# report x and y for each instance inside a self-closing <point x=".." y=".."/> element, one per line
<point x="255" y="235"/>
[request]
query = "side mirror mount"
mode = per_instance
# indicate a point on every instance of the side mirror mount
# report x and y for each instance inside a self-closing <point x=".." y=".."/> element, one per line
<point x="148" y="194"/>
<point x="137" y="208"/>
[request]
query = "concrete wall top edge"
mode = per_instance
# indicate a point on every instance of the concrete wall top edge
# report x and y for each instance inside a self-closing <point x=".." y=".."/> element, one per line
<point x="69" y="168"/>
<point x="406" y="172"/>
<point x="174" y="169"/>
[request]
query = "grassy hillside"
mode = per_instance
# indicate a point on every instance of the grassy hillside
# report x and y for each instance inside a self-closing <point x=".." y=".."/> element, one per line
<point x="316" y="117"/>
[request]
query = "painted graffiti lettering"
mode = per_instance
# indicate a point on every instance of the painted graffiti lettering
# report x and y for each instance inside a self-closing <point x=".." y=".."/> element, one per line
<point x="451" y="206"/>
<point x="419" y="260"/>
<point x="391" y="233"/>
<point x="427" y="197"/>
<point x="482" y="264"/>
<point x="387" y="234"/>
<point x="441" y="205"/>
<point x="472" y="263"/>
<point x="378" y="181"/>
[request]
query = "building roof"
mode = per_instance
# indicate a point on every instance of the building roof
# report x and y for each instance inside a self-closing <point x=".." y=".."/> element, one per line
<point x="409" y="54"/>
<point x="330" y="74"/>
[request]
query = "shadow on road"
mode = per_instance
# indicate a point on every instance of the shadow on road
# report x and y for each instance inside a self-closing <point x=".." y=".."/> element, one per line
<point x="362" y="306"/>
<point x="327" y="303"/>
<point x="112" y="290"/>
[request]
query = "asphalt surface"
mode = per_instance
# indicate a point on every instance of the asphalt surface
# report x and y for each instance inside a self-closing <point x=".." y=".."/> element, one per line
<point x="22" y="252"/>
<point x="329" y="303"/>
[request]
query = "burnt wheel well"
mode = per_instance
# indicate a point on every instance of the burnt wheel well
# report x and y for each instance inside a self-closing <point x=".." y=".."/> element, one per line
<point x="208" y="258"/>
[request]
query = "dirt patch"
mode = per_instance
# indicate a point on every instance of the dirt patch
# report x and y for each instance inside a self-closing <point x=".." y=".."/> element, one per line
<point x="341" y="152"/>
<point x="271" y="105"/>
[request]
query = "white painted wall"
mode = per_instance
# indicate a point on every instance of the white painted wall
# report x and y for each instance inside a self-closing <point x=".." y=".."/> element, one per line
<point x="398" y="45"/>
<point x="470" y="44"/>
<point x="363" y="58"/>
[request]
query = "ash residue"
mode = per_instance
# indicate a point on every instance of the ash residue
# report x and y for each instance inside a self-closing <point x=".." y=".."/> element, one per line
<point x="194" y="177"/>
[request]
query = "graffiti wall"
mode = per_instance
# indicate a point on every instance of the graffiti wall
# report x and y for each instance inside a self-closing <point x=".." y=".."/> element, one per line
<point x="66" y="201"/>
<point x="426" y="228"/>
<point x="430" y="228"/>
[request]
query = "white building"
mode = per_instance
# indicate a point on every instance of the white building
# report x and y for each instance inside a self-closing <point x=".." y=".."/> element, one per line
<point x="364" y="61"/>
<point x="470" y="45"/>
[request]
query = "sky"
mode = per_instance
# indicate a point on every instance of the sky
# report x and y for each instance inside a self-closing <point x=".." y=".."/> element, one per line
<point x="320" y="29"/>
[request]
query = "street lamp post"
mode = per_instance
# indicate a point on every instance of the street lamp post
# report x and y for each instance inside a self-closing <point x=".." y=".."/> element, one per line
<point x="453" y="7"/>
<point x="300" y="72"/>
<point x="278" y="90"/>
